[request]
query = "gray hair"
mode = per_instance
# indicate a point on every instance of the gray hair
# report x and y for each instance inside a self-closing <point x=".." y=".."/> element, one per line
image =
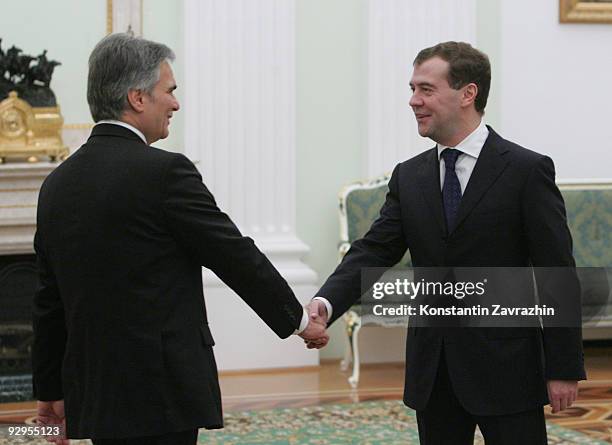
<point x="119" y="63"/>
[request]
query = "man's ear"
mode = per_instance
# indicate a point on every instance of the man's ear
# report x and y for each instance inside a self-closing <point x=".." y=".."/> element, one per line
<point x="469" y="94"/>
<point x="136" y="100"/>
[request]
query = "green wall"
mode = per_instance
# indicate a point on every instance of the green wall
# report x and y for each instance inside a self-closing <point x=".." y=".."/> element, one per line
<point x="162" y="21"/>
<point x="488" y="39"/>
<point x="331" y="123"/>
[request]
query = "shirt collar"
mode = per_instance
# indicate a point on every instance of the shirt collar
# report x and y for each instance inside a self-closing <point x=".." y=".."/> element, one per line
<point x="124" y="125"/>
<point x="472" y="144"/>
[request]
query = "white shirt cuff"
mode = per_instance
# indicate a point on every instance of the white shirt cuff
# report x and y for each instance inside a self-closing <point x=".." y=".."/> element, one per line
<point x="303" y="323"/>
<point x="328" y="306"/>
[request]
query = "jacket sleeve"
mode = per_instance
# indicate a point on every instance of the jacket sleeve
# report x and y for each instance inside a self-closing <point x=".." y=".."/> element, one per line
<point x="49" y="332"/>
<point x="211" y="237"/>
<point x="550" y="251"/>
<point x="382" y="246"/>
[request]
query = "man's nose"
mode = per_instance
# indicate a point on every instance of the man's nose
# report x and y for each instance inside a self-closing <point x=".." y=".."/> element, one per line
<point x="415" y="100"/>
<point x="176" y="106"/>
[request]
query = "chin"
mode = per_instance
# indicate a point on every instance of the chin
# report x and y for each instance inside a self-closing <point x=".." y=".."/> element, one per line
<point x="424" y="132"/>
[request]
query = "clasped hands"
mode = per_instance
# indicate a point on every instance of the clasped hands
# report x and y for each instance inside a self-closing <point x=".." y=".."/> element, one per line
<point x="315" y="335"/>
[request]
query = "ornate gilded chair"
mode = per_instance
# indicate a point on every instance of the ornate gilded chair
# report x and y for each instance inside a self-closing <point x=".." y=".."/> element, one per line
<point x="360" y="204"/>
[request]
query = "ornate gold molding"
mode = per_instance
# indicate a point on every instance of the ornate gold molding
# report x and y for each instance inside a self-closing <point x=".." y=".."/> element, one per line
<point x="580" y="11"/>
<point x="109" y="16"/>
<point x="18" y="206"/>
<point x="18" y="190"/>
<point x="585" y="185"/>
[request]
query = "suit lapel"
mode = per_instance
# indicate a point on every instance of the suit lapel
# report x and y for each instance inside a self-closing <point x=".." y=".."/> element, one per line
<point x="491" y="163"/>
<point x="429" y="182"/>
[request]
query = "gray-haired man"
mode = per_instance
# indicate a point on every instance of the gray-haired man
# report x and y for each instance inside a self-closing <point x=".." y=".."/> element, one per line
<point x="121" y="333"/>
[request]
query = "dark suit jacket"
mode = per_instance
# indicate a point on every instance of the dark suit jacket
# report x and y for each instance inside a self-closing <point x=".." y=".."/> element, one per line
<point x="120" y="324"/>
<point x="511" y="214"/>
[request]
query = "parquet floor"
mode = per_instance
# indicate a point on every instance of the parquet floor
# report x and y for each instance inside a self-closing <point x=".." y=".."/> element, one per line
<point x="591" y="414"/>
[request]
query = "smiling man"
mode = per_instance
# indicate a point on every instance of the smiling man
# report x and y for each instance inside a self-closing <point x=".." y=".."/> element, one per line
<point x="122" y="348"/>
<point x="473" y="200"/>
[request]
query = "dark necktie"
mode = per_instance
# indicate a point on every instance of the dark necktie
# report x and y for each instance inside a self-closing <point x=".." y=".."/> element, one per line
<point x="451" y="190"/>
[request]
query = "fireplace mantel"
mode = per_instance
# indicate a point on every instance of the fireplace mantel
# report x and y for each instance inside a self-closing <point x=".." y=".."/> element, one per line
<point x="19" y="187"/>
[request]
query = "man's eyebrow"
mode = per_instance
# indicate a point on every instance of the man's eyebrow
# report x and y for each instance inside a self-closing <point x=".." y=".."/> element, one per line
<point x="422" y="84"/>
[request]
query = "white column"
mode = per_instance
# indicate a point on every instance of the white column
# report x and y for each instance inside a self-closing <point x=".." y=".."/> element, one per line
<point x="397" y="31"/>
<point x="240" y="130"/>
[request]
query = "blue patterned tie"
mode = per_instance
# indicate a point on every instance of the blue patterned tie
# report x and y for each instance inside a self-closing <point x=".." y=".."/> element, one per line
<point x="451" y="190"/>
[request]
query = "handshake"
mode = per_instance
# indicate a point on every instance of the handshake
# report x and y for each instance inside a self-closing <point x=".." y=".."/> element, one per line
<point x="315" y="335"/>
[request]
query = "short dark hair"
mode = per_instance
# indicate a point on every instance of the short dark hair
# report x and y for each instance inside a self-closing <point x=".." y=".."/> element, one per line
<point x="121" y="62"/>
<point x="466" y="65"/>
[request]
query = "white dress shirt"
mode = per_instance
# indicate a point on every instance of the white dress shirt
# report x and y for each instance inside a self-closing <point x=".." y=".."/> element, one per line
<point x="304" y="322"/>
<point x="124" y="125"/>
<point x="470" y="149"/>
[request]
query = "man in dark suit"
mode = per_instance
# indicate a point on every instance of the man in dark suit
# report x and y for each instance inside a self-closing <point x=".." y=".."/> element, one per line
<point x="122" y="344"/>
<point x="474" y="200"/>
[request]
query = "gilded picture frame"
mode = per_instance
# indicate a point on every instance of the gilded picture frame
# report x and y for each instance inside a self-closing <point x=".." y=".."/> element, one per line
<point x="585" y="11"/>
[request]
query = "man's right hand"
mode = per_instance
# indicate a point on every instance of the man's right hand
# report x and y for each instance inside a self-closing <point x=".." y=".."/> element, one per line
<point x="315" y="335"/>
<point x="317" y="315"/>
<point x="317" y="311"/>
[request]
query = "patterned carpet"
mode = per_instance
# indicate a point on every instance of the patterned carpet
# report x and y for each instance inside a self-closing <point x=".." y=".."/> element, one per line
<point x="370" y="423"/>
<point x="591" y="414"/>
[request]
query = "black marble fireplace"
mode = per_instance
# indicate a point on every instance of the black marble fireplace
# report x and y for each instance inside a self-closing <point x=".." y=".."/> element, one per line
<point x="18" y="282"/>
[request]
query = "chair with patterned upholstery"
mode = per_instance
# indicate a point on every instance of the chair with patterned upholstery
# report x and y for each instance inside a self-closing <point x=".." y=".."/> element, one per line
<point x="360" y="205"/>
<point x="589" y="212"/>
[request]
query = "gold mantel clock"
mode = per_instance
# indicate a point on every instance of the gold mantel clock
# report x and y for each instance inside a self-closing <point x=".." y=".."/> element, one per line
<point x="30" y="132"/>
